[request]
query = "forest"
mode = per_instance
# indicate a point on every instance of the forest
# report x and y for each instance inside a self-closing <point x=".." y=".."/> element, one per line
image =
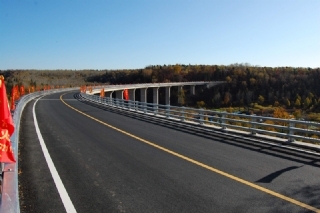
<point x="249" y="88"/>
<point x="252" y="89"/>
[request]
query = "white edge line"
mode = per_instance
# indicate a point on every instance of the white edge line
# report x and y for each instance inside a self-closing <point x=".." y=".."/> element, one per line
<point x="57" y="180"/>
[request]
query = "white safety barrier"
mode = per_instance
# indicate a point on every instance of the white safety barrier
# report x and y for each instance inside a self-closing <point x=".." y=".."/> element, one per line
<point x="9" y="185"/>
<point x="288" y="130"/>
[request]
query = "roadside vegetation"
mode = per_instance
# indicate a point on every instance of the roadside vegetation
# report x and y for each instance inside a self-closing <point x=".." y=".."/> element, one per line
<point x="279" y="91"/>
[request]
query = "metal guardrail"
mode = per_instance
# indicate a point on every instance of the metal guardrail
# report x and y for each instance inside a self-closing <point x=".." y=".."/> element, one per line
<point x="286" y="129"/>
<point x="9" y="187"/>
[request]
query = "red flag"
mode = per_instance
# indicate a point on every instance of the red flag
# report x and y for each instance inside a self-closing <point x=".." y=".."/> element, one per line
<point x="14" y="93"/>
<point x="5" y="115"/>
<point x="22" y="90"/>
<point x="6" y="152"/>
<point x="126" y="94"/>
<point x="13" y="107"/>
<point x="102" y="93"/>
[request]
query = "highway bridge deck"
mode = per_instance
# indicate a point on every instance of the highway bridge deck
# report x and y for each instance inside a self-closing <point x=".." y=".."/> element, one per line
<point x="110" y="161"/>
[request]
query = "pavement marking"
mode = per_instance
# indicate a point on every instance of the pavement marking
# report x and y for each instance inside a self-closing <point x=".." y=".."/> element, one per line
<point x="255" y="186"/>
<point x="68" y="205"/>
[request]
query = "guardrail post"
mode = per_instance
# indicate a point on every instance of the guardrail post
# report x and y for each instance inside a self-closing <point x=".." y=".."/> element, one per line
<point x="168" y="111"/>
<point x="144" y="104"/>
<point x="201" y="116"/>
<point x="223" y="120"/>
<point x="117" y="102"/>
<point x="139" y="108"/>
<point x="155" y="109"/>
<point x="135" y="106"/>
<point x="291" y="131"/>
<point x="182" y="113"/>
<point x="129" y="105"/>
<point x="253" y="120"/>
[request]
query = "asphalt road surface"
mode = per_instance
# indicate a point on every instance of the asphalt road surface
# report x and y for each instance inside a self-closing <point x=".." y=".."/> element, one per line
<point x="112" y="161"/>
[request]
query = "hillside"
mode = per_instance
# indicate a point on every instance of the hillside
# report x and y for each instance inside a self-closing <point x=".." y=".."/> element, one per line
<point x="247" y="87"/>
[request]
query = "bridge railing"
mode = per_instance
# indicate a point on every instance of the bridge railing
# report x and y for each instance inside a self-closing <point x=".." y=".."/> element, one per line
<point x="286" y="129"/>
<point x="9" y="184"/>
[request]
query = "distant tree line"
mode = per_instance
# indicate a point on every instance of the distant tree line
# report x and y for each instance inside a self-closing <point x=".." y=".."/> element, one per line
<point x="289" y="87"/>
<point x="42" y="78"/>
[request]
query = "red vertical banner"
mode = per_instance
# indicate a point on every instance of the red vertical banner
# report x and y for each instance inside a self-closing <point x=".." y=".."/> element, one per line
<point x="102" y="93"/>
<point x="14" y="96"/>
<point x="6" y="152"/>
<point x="126" y="94"/>
<point x="13" y="107"/>
<point x="15" y="92"/>
<point x="22" y="92"/>
<point x="6" y="126"/>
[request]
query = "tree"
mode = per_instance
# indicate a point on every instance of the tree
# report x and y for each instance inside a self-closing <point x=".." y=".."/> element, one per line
<point x="287" y="102"/>
<point x="217" y="99"/>
<point x="252" y="81"/>
<point x="306" y="102"/>
<point x="297" y="103"/>
<point x="177" y="69"/>
<point x="280" y="112"/>
<point x="260" y="99"/>
<point x="297" y="114"/>
<point x="226" y="99"/>
<point x="201" y="104"/>
<point x="228" y="79"/>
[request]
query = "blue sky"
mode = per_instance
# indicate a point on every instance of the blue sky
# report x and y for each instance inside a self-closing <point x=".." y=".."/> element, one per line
<point x="130" y="34"/>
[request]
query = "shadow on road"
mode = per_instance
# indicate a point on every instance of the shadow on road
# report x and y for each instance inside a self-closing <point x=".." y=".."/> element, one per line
<point x="269" y="178"/>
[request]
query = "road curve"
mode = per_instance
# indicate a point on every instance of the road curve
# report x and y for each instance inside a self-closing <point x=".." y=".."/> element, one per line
<point x="111" y="162"/>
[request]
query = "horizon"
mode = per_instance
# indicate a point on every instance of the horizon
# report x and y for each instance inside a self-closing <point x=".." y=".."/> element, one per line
<point x="129" y="69"/>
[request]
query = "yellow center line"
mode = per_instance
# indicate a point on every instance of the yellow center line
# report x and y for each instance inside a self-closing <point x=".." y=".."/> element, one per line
<point x="255" y="186"/>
